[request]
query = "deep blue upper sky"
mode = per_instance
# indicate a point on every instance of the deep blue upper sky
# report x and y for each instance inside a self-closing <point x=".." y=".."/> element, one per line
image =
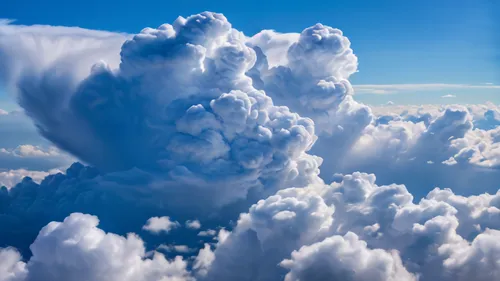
<point x="397" y="41"/>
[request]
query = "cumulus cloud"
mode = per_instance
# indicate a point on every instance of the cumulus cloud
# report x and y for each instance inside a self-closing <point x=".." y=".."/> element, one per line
<point x="272" y="44"/>
<point x="160" y="224"/>
<point x="196" y="120"/>
<point x="344" y="258"/>
<point x="76" y="249"/>
<point x="194" y="224"/>
<point x="406" y="138"/>
<point x="356" y="230"/>
<point x="11" y="266"/>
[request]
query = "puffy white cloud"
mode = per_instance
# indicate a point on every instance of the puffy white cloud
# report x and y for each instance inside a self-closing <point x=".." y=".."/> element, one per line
<point x="160" y="224"/>
<point x="477" y="260"/>
<point x="193" y="224"/>
<point x="274" y="45"/>
<point x="11" y="266"/>
<point x="344" y="258"/>
<point x="203" y="261"/>
<point x="312" y="80"/>
<point x="76" y="249"/>
<point x="381" y="223"/>
<point x="405" y="142"/>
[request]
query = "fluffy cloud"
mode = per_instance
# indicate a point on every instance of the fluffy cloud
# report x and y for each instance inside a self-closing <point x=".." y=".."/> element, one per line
<point x="160" y="224"/>
<point x="194" y="224"/>
<point x="11" y="266"/>
<point x="398" y="148"/>
<point x="312" y="80"/>
<point x="208" y="232"/>
<point x="176" y="128"/>
<point x="181" y="98"/>
<point x="344" y="258"/>
<point x="77" y="249"/>
<point x="387" y="236"/>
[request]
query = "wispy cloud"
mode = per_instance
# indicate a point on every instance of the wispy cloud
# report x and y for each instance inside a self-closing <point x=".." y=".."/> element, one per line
<point x="6" y="21"/>
<point x="448" y="96"/>
<point x="382" y="89"/>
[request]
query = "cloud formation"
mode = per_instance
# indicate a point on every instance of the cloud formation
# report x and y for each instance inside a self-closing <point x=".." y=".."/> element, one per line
<point x="196" y="120"/>
<point x="386" y="234"/>
<point x="76" y="249"/>
<point x="160" y="224"/>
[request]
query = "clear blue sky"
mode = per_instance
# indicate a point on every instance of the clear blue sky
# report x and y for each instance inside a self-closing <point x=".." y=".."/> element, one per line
<point x="397" y="41"/>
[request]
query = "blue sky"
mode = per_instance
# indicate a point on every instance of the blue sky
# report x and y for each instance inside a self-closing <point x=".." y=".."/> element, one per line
<point x="397" y="42"/>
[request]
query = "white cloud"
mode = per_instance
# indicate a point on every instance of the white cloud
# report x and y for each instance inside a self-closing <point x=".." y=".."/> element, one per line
<point x="194" y="224"/>
<point x="11" y="266"/>
<point x="28" y="150"/>
<point x="12" y="177"/>
<point x="448" y="96"/>
<point x="226" y="132"/>
<point x="203" y="261"/>
<point x="77" y="249"/>
<point x="273" y="45"/>
<point x="345" y="258"/>
<point x="160" y="224"/>
<point x="208" y="232"/>
<point x="370" y="227"/>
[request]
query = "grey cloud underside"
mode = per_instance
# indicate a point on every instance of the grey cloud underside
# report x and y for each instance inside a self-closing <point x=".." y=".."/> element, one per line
<point x="195" y="122"/>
